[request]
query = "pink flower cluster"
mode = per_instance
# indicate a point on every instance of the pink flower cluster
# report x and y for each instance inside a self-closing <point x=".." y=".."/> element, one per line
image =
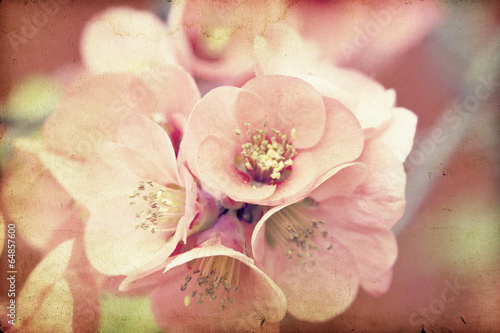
<point x="275" y="192"/>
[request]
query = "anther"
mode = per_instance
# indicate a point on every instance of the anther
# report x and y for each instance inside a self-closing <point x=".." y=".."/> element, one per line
<point x="265" y="159"/>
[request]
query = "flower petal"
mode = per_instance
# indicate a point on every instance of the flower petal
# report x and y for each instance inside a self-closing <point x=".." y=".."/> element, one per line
<point x="341" y="183"/>
<point x="146" y="137"/>
<point x="296" y="186"/>
<point x="295" y="104"/>
<point x="44" y="285"/>
<point x="175" y="91"/>
<point x="366" y="98"/>
<point x="257" y="304"/>
<point x="378" y="285"/>
<point x="342" y="141"/>
<point x="111" y="171"/>
<point x="374" y="250"/>
<point x="398" y="136"/>
<point x="91" y="112"/>
<point x="125" y="40"/>
<point x="215" y="114"/>
<point x="314" y="292"/>
<point x="115" y="246"/>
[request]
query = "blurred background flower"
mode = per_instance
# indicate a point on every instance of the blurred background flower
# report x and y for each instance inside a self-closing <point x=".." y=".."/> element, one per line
<point x="447" y="274"/>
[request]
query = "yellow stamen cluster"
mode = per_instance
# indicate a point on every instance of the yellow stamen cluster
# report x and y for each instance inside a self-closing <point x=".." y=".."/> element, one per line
<point x="266" y="158"/>
<point x="166" y="205"/>
<point x="293" y="228"/>
<point x="214" y="272"/>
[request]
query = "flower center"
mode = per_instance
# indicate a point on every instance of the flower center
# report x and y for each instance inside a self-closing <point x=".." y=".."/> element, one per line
<point x="295" y="230"/>
<point x="166" y="206"/>
<point x="268" y="157"/>
<point x="218" y="276"/>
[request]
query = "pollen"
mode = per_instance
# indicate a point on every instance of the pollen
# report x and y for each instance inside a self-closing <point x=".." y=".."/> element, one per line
<point x="212" y="279"/>
<point x="268" y="155"/>
<point x="297" y="232"/>
<point x="165" y="205"/>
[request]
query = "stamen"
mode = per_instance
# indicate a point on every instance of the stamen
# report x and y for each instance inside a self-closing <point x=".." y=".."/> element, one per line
<point x="293" y="228"/>
<point x="217" y="276"/>
<point x="166" y="205"/>
<point x="267" y="158"/>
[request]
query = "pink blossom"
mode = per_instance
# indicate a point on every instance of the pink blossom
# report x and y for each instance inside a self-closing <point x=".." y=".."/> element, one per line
<point x="141" y="203"/>
<point x="321" y="249"/>
<point x="88" y="115"/>
<point x="216" y="287"/>
<point x="214" y="42"/>
<point x="93" y="108"/>
<point x="270" y="141"/>
<point x="341" y="233"/>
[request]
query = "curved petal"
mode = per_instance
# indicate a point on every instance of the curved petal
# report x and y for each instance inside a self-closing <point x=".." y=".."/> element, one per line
<point x="115" y="245"/>
<point x="342" y="141"/>
<point x="192" y="208"/>
<point x="366" y="98"/>
<point x="175" y="90"/>
<point x="280" y="50"/>
<point x="43" y="284"/>
<point x="125" y="40"/>
<point x="91" y="112"/>
<point x="374" y="250"/>
<point x="294" y="104"/>
<point x="296" y="186"/>
<point x="110" y="172"/>
<point x="319" y="284"/>
<point x="398" y="136"/>
<point x="215" y="114"/>
<point x="257" y="304"/>
<point x="371" y="34"/>
<point x="377" y="285"/>
<point x="342" y="183"/>
<point x="146" y="137"/>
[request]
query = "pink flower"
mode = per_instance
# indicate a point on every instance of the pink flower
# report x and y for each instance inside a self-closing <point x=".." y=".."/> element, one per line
<point x="88" y="115"/>
<point x="141" y="203"/>
<point x="341" y="232"/>
<point x="216" y="45"/>
<point x="269" y="142"/>
<point x="216" y="287"/>
<point x="214" y="42"/>
<point x="93" y="108"/>
<point x="321" y="249"/>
